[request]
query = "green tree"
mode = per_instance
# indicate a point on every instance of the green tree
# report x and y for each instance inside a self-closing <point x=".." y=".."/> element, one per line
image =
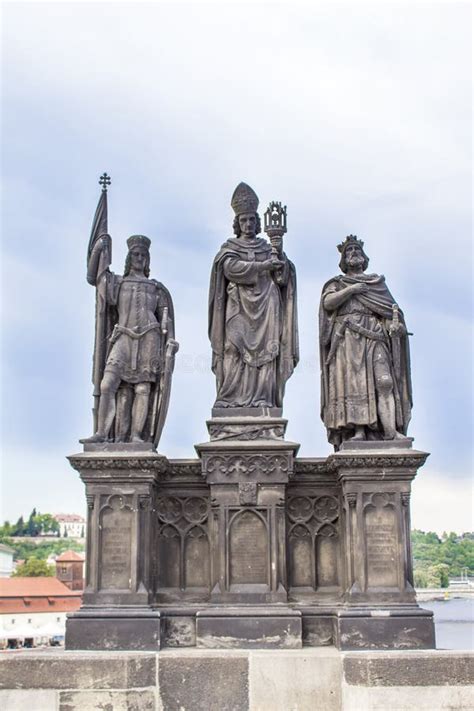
<point x="47" y="523"/>
<point x="6" y="529"/>
<point x="34" y="568"/>
<point x="32" y="528"/>
<point x="39" y="548"/>
<point x="19" y="527"/>
<point x="436" y="560"/>
<point x="421" y="578"/>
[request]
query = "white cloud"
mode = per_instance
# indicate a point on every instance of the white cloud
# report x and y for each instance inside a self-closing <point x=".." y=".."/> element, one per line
<point x="357" y="116"/>
<point x="442" y="501"/>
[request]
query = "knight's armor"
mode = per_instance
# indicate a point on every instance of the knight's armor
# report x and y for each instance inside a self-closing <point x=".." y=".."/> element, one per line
<point x="136" y="341"/>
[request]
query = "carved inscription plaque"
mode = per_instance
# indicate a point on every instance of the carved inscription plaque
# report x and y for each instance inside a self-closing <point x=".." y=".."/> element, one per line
<point x="301" y="562"/>
<point x="382" y="546"/>
<point x="248" y="549"/>
<point x="326" y="556"/>
<point x="116" y="549"/>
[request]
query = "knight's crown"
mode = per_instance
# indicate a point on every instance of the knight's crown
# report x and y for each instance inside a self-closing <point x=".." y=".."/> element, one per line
<point x="244" y="199"/>
<point x="138" y="241"/>
<point x="350" y="239"/>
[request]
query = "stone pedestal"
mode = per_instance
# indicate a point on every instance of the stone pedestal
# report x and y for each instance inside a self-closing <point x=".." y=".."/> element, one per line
<point x="247" y="465"/>
<point x="116" y="611"/>
<point x="380" y="609"/>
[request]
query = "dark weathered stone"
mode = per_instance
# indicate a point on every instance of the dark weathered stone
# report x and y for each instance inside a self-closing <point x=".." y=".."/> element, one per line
<point x="120" y="526"/>
<point x="414" y="669"/>
<point x="127" y="447"/>
<point x="143" y="700"/>
<point x="384" y="629"/>
<point x="244" y="427"/>
<point x="77" y="671"/>
<point x="377" y="524"/>
<point x="182" y="547"/>
<point x="119" y="630"/>
<point x="252" y="310"/>
<point x="378" y="445"/>
<point x="247" y="628"/>
<point x="134" y="341"/>
<point x="211" y="683"/>
<point x="178" y="631"/>
<point x="243" y="412"/>
<point x="360" y="323"/>
<point x="313" y="542"/>
<point x="247" y="490"/>
<point x="318" y="630"/>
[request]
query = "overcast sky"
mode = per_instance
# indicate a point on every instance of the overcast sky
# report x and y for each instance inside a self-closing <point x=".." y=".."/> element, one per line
<point x="358" y="117"/>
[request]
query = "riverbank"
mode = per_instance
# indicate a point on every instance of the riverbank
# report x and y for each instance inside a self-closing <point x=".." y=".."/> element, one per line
<point x="454" y="622"/>
<point x="423" y="594"/>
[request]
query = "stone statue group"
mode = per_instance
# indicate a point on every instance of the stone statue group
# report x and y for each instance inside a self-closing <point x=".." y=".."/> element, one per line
<point x="253" y="329"/>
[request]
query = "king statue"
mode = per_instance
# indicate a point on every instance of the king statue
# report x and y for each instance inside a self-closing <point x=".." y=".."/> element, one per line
<point x="252" y="313"/>
<point x="134" y="341"/>
<point x="364" y="354"/>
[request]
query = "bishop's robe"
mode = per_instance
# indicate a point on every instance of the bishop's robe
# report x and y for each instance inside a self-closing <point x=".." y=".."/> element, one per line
<point x="252" y="325"/>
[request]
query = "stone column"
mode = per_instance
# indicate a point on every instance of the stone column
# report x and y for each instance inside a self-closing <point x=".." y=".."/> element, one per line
<point x="248" y="476"/>
<point x="380" y="610"/>
<point x="116" y="611"/>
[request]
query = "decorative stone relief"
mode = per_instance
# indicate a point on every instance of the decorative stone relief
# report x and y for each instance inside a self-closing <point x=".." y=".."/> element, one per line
<point x="313" y="541"/>
<point x="248" y="493"/>
<point x="245" y="432"/>
<point x="183" y="542"/>
<point x="129" y="463"/>
<point x="247" y="465"/>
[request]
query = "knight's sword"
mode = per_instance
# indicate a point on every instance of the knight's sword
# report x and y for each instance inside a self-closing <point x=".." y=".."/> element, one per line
<point x="395" y="336"/>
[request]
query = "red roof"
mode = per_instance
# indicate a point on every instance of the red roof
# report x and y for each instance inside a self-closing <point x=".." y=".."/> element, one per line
<point x="34" y="587"/>
<point x="69" y="557"/>
<point x="41" y="594"/>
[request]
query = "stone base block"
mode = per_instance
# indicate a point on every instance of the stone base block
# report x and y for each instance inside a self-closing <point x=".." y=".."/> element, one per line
<point x="237" y="680"/>
<point x="384" y="629"/>
<point x="318" y="629"/>
<point x="131" y="630"/>
<point x="178" y="630"/>
<point x="249" y="628"/>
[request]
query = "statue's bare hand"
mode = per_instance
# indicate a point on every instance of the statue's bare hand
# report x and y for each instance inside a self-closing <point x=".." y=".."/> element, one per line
<point x="276" y="264"/>
<point x="106" y="241"/>
<point x="359" y="288"/>
<point x="270" y="265"/>
<point x="397" y="329"/>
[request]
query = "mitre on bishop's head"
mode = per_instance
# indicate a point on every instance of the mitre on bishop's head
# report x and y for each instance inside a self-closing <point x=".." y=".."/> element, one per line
<point x="244" y="199"/>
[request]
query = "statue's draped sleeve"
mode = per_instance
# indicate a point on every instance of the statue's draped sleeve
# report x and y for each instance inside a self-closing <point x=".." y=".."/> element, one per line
<point x="217" y="306"/>
<point x="289" y="341"/>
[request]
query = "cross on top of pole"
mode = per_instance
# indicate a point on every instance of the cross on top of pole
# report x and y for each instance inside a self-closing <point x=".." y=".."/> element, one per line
<point x="104" y="181"/>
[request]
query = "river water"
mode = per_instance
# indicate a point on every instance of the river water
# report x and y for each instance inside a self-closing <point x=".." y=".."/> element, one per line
<point x="454" y="622"/>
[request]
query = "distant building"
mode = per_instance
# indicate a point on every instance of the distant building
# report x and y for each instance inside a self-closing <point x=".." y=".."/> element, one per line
<point x="71" y="525"/>
<point x="34" y="609"/>
<point x="70" y="569"/>
<point x="6" y="561"/>
<point x="464" y="582"/>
